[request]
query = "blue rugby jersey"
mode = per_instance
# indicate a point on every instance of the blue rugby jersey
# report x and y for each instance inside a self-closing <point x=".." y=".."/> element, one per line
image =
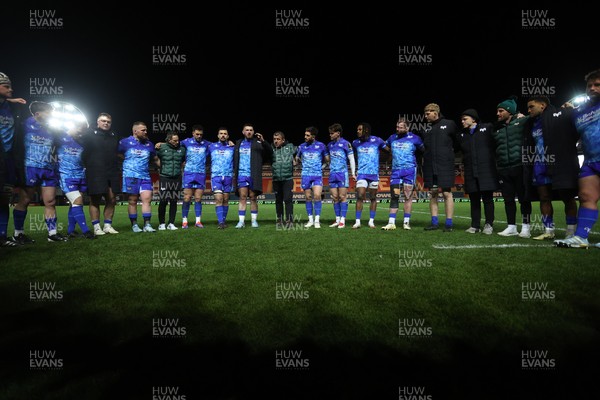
<point x="339" y="150"/>
<point x="404" y="149"/>
<point x="195" y="156"/>
<point x="221" y="159"/>
<point x="368" y="155"/>
<point x="137" y="156"/>
<point x="312" y="156"/>
<point x="587" y="122"/>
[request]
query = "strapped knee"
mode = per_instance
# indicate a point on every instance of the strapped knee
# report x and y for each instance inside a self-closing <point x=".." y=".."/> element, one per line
<point x="395" y="196"/>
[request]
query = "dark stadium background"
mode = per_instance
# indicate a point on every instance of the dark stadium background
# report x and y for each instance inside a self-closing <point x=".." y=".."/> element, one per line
<point x="347" y="57"/>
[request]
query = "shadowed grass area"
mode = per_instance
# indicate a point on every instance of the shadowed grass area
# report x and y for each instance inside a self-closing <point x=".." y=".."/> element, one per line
<point x="369" y="311"/>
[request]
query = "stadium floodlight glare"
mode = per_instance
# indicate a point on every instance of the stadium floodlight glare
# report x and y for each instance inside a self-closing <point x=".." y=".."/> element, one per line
<point x="66" y="116"/>
<point x="579" y="100"/>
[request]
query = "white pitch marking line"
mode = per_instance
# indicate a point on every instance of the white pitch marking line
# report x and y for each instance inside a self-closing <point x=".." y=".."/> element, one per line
<point x="483" y="246"/>
<point x="499" y="221"/>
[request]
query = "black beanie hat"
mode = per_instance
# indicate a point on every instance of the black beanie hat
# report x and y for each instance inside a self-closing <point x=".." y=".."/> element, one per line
<point x="471" y="112"/>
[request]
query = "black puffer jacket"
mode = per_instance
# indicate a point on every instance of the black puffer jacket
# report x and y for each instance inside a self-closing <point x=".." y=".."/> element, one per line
<point x="478" y="151"/>
<point x="438" y="159"/>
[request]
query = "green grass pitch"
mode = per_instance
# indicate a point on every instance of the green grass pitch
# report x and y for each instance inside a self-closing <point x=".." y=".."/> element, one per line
<point x="300" y="313"/>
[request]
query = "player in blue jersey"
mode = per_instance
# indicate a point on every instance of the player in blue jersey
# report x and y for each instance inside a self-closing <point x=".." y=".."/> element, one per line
<point x="221" y="167"/>
<point x="341" y="155"/>
<point x="137" y="152"/>
<point x="40" y="166"/>
<point x="250" y="153"/>
<point x="587" y="122"/>
<point x="404" y="146"/>
<point x="312" y="154"/>
<point x="367" y="148"/>
<point x="8" y="127"/>
<point x="72" y="178"/>
<point x="194" y="174"/>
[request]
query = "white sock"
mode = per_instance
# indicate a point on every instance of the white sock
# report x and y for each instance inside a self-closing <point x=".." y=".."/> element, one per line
<point x="337" y="219"/>
<point x="198" y="219"/>
<point x="241" y="218"/>
<point x="310" y="218"/>
<point x="253" y="216"/>
<point x="317" y="218"/>
<point x="525" y="227"/>
<point x="406" y="220"/>
<point x="184" y="219"/>
<point x="97" y="226"/>
<point x="392" y="221"/>
<point x="371" y="221"/>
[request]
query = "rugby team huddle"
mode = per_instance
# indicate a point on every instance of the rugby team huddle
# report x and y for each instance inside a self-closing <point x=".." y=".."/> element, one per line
<point x="527" y="157"/>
